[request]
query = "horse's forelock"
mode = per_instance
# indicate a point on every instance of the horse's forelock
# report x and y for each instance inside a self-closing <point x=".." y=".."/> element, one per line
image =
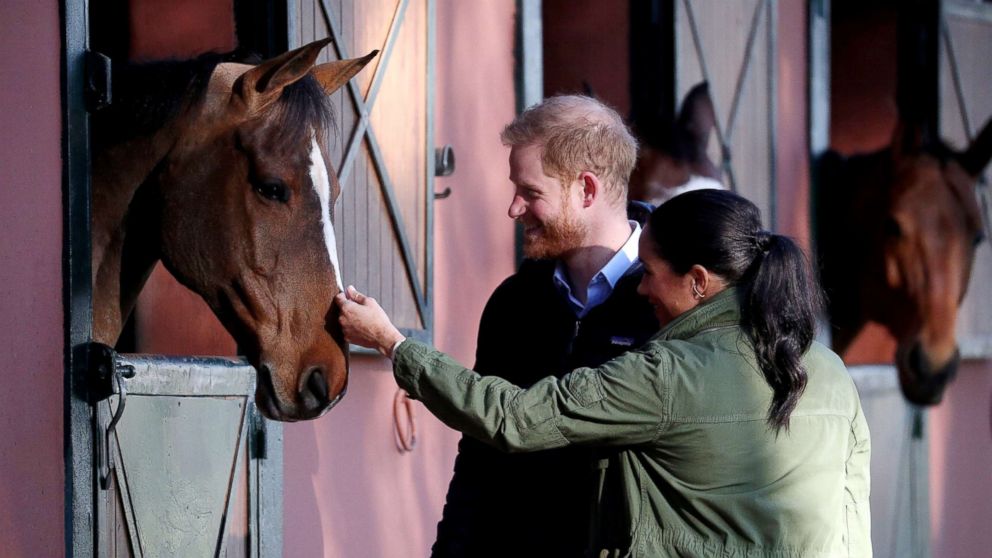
<point x="304" y="108"/>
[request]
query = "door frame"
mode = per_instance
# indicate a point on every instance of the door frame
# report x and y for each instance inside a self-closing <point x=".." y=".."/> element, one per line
<point x="76" y="283"/>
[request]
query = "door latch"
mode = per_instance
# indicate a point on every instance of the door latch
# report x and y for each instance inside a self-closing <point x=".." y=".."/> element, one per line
<point x="444" y="165"/>
<point x="107" y="375"/>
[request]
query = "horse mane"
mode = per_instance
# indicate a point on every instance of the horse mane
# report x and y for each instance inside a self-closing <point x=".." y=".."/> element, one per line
<point x="148" y="95"/>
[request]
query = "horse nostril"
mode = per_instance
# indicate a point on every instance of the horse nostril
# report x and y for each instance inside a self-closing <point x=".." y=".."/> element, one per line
<point x="265" y="394"/>
<point x="265" y="379"/>
<point x="317" y="384"/>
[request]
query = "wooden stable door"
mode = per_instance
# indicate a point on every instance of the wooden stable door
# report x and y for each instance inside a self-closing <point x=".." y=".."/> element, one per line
<point x="381" y="147"/>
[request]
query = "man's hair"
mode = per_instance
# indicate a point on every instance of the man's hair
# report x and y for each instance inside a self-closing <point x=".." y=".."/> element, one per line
<point x="578" y="134"/>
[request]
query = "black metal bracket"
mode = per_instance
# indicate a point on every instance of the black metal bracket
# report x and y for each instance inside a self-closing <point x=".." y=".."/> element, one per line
<point x="98" y="91"/>
<point x="102" y="368"/>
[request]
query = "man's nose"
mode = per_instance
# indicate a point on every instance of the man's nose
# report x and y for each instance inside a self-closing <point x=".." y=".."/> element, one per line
<point x="517" y="208"/>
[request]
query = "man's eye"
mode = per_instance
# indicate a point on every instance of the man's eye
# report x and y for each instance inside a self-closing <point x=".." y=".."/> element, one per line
<point x="274" y="190"/>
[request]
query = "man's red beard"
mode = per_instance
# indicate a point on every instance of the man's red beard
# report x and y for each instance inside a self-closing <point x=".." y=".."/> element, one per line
<point x="556" y="237"/>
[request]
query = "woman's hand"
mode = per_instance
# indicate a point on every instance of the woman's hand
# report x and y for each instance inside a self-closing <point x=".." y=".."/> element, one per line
<point x="365" y="323"/>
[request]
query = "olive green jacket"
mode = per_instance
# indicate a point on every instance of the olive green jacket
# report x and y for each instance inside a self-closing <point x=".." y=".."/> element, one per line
<point x="700" y="471"/>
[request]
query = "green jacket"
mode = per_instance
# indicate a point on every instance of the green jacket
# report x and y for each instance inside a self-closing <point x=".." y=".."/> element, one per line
<point x="700" y="472"/>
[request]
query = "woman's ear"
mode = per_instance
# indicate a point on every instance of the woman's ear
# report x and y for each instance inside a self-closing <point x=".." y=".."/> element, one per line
<point x="707" y="282"/>
<point x="702" y="281"/>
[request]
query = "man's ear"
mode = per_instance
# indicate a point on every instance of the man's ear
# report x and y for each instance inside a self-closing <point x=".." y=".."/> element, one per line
<point x="592" y="187"/>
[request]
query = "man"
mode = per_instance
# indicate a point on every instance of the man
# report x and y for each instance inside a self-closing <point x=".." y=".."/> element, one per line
<point x="573" y="303"/>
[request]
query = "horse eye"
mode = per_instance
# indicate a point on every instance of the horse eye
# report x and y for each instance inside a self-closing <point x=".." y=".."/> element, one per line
<point x="274" y="190"/>
<point x="892" y="228"/>
<point x="979" y="237"/>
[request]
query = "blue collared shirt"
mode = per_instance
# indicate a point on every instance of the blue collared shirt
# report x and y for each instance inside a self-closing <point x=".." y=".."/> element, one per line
<point x="601" y="286"/>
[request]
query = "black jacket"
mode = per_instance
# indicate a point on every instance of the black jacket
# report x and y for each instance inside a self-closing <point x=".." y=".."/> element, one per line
<point x="535" y="504"/>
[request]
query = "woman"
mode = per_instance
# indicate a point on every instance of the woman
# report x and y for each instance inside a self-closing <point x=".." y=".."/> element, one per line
<point x="737" y="435"/>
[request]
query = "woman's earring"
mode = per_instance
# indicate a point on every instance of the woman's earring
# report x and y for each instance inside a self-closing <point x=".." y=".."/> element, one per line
<point x="696" y="292"/>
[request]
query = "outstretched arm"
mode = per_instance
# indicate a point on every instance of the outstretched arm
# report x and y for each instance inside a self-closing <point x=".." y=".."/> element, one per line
<point x="621" y="402"/>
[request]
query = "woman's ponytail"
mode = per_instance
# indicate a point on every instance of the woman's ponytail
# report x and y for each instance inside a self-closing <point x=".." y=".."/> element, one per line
<point x="779" y="304"/>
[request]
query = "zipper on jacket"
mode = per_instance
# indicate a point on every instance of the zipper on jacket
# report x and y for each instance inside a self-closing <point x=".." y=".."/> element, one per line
<point x="575" y="335"/>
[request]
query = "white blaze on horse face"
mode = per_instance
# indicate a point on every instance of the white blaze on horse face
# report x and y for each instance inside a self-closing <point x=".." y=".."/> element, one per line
<point x="322" y="184"/>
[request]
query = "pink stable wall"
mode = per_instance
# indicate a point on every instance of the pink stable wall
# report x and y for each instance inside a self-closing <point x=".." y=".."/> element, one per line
<point x="347" y="491"/>
<point x="961" y="465"/>
<point x="31" y="468"/>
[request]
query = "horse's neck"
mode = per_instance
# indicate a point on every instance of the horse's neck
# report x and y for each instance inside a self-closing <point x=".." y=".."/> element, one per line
<point x="118" y="174"/>
<point x="848" y="198"/>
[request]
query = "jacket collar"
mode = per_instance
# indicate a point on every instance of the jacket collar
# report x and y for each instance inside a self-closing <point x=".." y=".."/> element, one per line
<point x="721" y="310"/>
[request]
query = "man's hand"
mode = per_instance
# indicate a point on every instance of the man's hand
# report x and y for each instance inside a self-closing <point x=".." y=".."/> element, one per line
<point x="365" y="323"/>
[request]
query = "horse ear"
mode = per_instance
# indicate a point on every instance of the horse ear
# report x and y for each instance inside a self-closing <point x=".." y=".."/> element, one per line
<point x="977" y="156"/>
<point x="696" y="121"/>
<point x="333" y="75"/>
<point x="264" y="83"/>
<point x="696" y="115"/>
<point x="587" y="90"/>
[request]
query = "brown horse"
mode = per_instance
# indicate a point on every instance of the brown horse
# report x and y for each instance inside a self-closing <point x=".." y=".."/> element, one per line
<point x="896" y="233"/>
<point x="672" y="157"/>
<point x="218" y="169"/>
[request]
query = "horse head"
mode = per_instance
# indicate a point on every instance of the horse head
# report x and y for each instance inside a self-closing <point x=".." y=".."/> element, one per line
<point x="672" y="158"/>
<point x="913" y="224"/>
<point x="238" y="206"/>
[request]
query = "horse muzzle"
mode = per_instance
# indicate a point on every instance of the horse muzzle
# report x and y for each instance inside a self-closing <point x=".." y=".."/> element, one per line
<point x="921" y="383"/>
<point x="312" y="398"/>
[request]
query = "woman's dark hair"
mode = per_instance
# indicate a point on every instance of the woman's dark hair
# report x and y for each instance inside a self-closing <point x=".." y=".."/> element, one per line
<point x="778" y="296"/>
